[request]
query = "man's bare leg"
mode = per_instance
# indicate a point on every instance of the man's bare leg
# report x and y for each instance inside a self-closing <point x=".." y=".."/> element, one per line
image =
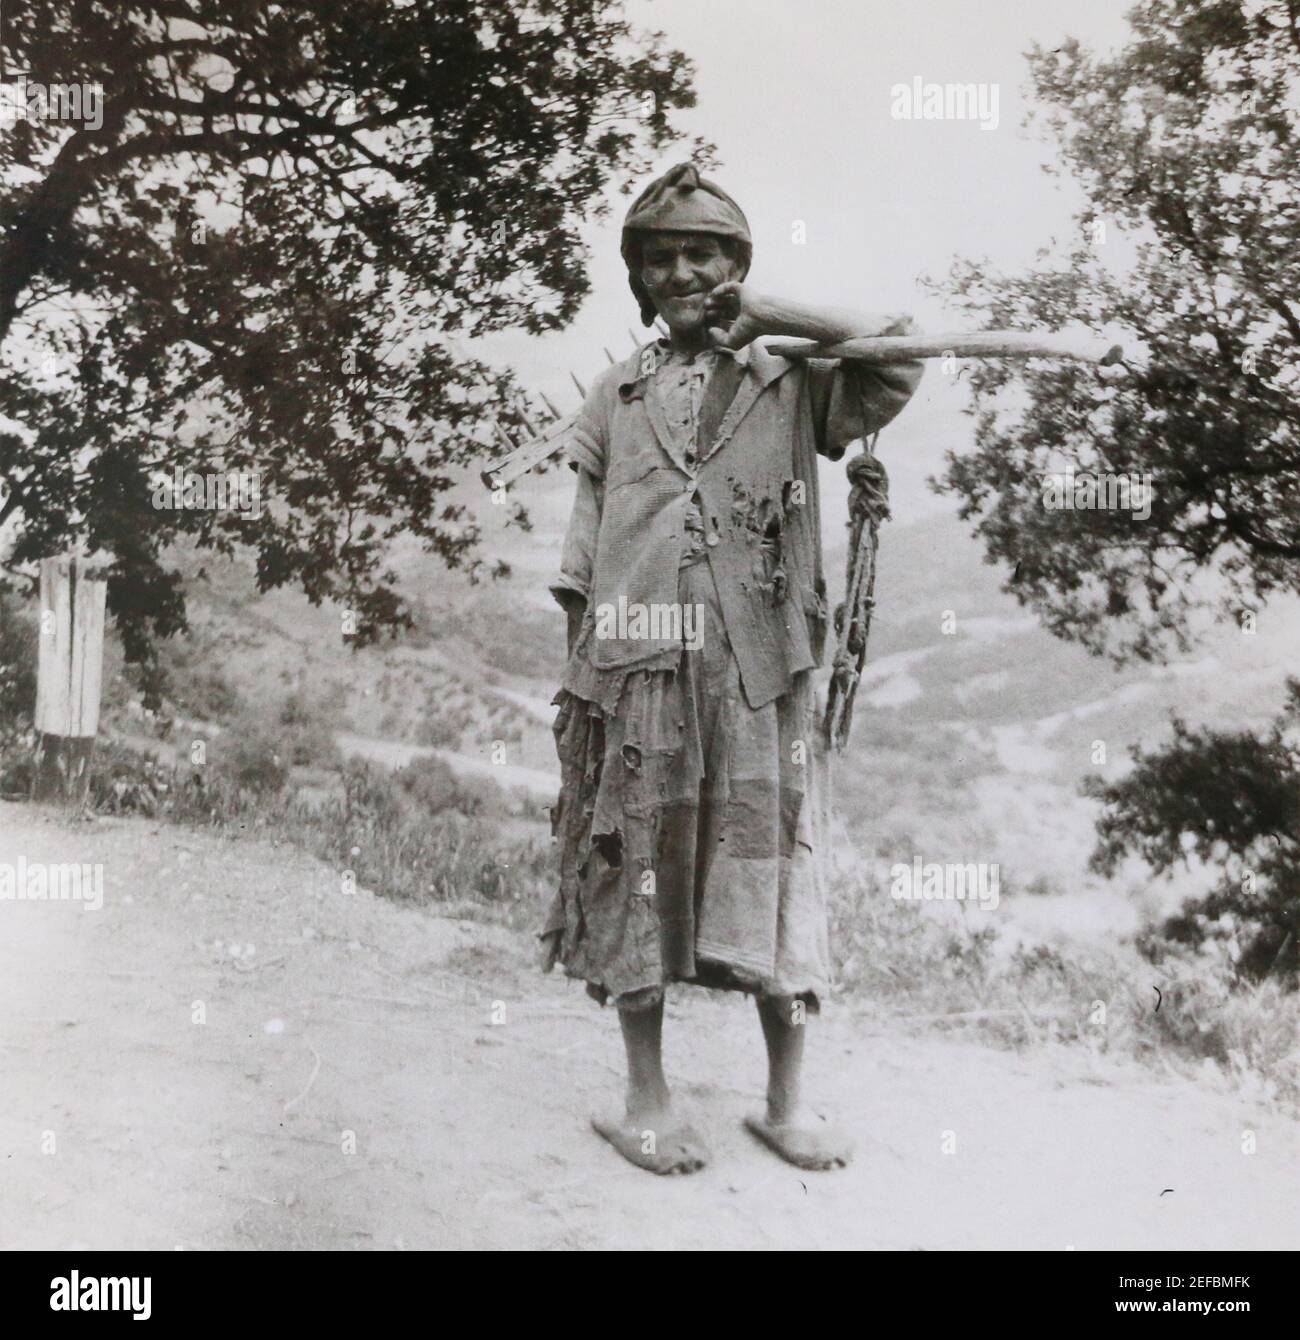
<point x="788" y="1127"/>
<point x="650" y="1134"/>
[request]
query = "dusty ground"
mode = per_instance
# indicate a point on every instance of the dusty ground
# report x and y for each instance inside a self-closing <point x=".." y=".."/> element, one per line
<point x="329" y="1014"/>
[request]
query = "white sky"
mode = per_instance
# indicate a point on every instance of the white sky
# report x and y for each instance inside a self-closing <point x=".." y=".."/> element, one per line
<point x="796" y="96"/>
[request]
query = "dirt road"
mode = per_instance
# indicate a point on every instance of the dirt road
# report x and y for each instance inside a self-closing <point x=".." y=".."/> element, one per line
<point x="235" y="1053"/>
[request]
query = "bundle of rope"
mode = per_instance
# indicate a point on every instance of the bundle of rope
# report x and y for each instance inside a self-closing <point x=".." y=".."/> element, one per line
<point x="868" y="507"/>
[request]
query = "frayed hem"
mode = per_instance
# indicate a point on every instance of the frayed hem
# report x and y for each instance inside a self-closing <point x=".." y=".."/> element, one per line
<point x="647" y="997"/>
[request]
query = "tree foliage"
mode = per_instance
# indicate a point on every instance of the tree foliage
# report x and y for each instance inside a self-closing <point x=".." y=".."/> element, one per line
<point x="256" y="261"/>
<point x="1230" y="799"/>
<point x="1185" y="146"/>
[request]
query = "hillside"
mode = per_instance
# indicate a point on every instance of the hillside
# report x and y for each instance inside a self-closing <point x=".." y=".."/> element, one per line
<point x="966" y="746"/>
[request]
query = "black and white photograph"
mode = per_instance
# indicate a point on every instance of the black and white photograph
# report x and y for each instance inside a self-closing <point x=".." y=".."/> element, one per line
<point x="649" y="625"/>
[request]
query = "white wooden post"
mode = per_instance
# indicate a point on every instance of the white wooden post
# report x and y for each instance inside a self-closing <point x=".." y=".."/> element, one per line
<point x="70" y="672"/>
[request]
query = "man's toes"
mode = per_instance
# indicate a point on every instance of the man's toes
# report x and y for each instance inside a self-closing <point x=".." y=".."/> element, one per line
<point x="671" y="1149"/>
<point x="821" y="1161"/>
<point x="814" y="1148"/>
<point x="687" y="1152"/>
<point x="833" y="1149"/>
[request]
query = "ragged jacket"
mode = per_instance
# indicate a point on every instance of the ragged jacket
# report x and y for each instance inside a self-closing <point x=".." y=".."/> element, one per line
<point x="753" y="474"/>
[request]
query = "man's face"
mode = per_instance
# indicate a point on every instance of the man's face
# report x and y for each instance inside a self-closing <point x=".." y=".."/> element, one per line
<point x="680" y="270"/>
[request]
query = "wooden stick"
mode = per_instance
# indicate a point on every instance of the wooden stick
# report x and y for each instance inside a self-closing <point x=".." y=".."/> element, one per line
<point x="880" y="349"/>
<point x="521" y="408"/>
<point x="524" y="458"/>
<point x="886" y="349"/>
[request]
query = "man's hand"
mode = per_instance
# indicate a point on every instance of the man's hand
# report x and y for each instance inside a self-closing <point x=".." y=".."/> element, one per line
<point x="734" y="313"/>
<point x="737" y="314"/>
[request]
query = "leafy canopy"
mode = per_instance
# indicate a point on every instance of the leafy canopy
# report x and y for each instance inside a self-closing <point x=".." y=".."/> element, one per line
<point x="1185" y="146"/>
<point x="255" y="261"/>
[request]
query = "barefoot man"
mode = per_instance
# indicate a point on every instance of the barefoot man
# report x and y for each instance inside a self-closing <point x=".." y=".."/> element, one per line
<point x="687" y="726"/>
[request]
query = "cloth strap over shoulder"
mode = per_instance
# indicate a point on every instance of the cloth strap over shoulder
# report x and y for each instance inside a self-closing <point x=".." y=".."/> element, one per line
<point x="719" y="391"/>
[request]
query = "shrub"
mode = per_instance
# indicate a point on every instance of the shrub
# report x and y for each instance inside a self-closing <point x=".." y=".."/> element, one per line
<point x="190" y="677"/>
<point x="931" y="971"/>
<point x="437" y="731"/>
<point x="18" y="659"/>
<point x="251" y="761"/>
<point x="429" y="783"/>
<point x="481" y="797"/>
<point x="261" y="743"/>
<point x="405" y="834"/>
<point x="1231" y="799"/>
<point x="306" y="730"/>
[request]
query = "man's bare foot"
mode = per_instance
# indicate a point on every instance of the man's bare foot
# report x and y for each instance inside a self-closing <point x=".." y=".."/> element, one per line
<point x="804" y="1139"/>
<point x="660" y="1143"/>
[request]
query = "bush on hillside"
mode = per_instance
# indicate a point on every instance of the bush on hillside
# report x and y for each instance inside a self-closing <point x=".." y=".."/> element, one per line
<point x="1232" y="800"/>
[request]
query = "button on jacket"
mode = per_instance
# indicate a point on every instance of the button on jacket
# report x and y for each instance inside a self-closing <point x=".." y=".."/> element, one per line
<point x="753" y="476"/>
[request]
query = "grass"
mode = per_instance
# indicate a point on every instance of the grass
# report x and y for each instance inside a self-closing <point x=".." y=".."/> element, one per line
<point x="418" y="835"/>
<point x="910" y="966"/>
<point x="423" y="836"/>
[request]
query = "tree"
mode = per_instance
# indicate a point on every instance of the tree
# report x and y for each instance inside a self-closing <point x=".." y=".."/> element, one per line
<point x="254" y="262"/>
<point x="1229" y="798"/>
<point x="1185" y="146"/>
